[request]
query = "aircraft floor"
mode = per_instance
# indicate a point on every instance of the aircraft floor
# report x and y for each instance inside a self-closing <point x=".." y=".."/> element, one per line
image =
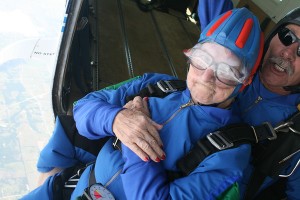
<point x="132" y="42"/>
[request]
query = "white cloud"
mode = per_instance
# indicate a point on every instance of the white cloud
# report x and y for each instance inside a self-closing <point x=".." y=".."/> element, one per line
<point x="17" y="22"/>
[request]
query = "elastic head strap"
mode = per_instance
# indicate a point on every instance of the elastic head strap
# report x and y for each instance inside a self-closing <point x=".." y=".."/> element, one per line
<point x="256" y="65"/>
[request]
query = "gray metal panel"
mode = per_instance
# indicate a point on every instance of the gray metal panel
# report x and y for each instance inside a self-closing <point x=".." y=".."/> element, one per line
<point x="153" y="41"/>
<point x="147" y="54"/>
<point x="178" y="34"/>
<point x="111" y="59"/>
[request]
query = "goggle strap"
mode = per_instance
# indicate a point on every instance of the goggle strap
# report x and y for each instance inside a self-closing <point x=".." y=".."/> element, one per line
<point x="257" y="62"/>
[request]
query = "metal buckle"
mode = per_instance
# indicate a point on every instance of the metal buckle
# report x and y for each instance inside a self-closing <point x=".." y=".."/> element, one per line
<point x="219" y="141"/>
<point x="287" y="125"/>
<point x="165" y="86"/>
<point x="293" y="170"/>
<point x="283" y="126"/>
<point x="116" y="144"/>
<point x="294" y="130"/>
<point x="272" y="131"/>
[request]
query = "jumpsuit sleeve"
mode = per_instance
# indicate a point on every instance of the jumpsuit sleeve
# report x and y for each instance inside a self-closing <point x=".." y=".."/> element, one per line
<point x="209" y="9"/>
<point x="219" y="171"/>
<point x="45" y="191"/>
<point x="94" y="114"/>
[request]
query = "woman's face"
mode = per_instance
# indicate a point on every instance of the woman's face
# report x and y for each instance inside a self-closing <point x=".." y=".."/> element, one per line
<point x="203" y="84"/>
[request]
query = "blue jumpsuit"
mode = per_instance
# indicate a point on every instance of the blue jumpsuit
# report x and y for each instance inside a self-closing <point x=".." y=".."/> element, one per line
<point x="258" y="105"/>
<point x="94" y="115"/>
<point x="210" y="9"/>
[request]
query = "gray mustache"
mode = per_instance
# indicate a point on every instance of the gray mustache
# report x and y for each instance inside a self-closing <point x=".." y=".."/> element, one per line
<point x="283" y="63"/>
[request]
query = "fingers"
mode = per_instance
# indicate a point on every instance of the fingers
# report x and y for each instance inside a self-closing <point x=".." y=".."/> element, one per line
<point x="146" y="148"/>
<point x="150" y="146"/>
<point x="138" y="132"/>
<point x="147" y="138"/>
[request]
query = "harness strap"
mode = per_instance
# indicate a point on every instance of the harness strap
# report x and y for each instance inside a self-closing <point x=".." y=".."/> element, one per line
<point x="274" y="191"/>
<point x="161" y="89"/>
<point x="66" y="181"/>
<point x="92" y="177"/>
<point x="91" y="146"/>
<point x="225" y="138"/>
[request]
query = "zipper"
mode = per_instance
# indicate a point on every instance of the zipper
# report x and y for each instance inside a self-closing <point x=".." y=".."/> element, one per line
<point x="113" y="178"/>
<point x="259" y="98"/>
<point x="189" y="103"/>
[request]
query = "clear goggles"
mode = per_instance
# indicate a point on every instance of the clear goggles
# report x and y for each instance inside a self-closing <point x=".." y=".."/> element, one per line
<point x="287" y="37"/>
<point x="228" y="74"/>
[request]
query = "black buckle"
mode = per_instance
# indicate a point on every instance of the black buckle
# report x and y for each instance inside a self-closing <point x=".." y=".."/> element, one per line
<point x="219" y="141"/>
<point x="166" y="86"/>
<point x="73" y="180"/>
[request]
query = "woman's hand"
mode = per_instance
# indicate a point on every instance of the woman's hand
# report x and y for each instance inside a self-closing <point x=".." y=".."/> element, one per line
<point x="135" y="128"/>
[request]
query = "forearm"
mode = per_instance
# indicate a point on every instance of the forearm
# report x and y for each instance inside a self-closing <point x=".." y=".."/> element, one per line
<point x="94" y="118"/>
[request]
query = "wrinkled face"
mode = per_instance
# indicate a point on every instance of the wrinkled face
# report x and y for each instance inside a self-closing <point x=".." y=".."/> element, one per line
<point x="204" y="86"/>
<point x="281" y="64"/>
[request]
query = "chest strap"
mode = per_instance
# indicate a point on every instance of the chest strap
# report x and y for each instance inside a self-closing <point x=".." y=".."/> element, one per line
<point x="228" y="137"/>
<point x="161" y="89"/>
<point x="234" y="135"/>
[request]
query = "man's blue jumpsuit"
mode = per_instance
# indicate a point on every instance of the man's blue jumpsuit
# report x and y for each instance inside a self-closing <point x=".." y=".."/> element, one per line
<point x="258" y="105"/>
<point x="184" y="124"/>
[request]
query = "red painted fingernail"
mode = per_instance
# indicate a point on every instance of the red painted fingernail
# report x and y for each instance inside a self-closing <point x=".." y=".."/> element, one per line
<point x="146" y="98"/>
<point x="163" y="157"/>
<point x="146" y="159"/>
<point x="157" y="159"/>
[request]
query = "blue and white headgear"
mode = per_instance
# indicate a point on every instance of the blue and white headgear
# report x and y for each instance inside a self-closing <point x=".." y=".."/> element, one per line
<point x="238" y="30"/>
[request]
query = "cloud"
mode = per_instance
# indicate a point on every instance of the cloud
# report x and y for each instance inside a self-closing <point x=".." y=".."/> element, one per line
<point x="17" y="22"/>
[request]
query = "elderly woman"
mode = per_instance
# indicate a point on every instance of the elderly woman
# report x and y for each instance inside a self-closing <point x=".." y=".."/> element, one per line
<point x="223" y="61"/>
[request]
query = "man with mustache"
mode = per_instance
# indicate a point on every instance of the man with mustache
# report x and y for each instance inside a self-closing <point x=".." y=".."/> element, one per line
<point x="274" y="95"/>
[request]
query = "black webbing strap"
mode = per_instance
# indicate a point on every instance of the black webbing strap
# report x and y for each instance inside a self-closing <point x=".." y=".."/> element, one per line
<point x="225" y="138"/>
<point x="161" y="89"/>
<point x="91" y="146"/>
<point x="274" y="191"/>
<point x="64" y="185"/>
<point x="270" y="159"/>
<point x="92" y="177"/>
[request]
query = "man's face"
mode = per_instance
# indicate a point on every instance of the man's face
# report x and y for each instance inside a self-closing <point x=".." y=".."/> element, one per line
<point x="203" y="84"/>
<point x="281" y="64"/>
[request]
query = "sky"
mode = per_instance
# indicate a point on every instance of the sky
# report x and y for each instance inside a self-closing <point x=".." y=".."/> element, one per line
<point x="21" y="19"/>
<point x="26" y="119"/>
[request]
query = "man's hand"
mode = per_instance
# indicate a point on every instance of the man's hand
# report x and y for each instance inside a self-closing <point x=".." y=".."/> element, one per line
<point x="134" y="127"/>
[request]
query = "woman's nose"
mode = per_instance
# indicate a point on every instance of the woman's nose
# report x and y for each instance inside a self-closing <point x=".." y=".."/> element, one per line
<point x="209" y="75"/>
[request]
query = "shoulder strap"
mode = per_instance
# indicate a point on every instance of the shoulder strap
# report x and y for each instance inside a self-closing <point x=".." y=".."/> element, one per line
<point x="91" y="146"/>
<point x="275" y="191"/>
<point x="161" y="89"/>
<point x="227" y="137"/>
<point x="271" y="157"/>
<point x="269" y="161"/>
